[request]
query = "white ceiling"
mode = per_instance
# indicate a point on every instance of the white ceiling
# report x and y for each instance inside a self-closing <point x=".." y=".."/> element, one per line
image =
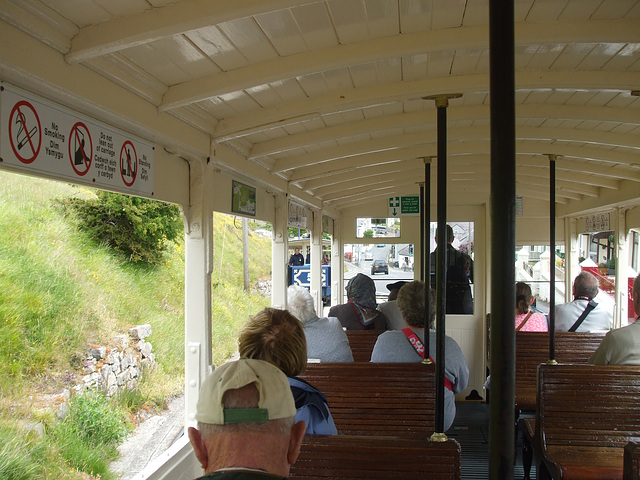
<point x="328" y="95"/>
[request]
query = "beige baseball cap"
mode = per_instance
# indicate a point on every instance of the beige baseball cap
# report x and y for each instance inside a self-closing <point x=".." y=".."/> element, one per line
<point x="276" y="399"/>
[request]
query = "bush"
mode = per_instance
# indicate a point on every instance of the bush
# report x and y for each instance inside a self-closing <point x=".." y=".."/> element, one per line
<point x="88" y="437"/>
<point x="136" y="227"/>
<point x="95" y="420"/>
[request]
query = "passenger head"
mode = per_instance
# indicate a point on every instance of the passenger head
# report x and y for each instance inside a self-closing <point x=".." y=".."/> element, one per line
<point x="246" y="418"/>
<point x="411" y="304"/>
<point x="277" y="337"/>
<point x="585" y="284"/>
<point x="524" y="299"/>
<point x="449" y="230"/>
<point x="394" y="288"/>
<point x="300" y="303"/>
<point x="362" y="290"/>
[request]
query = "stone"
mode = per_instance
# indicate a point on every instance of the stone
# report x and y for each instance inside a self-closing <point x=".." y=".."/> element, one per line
<point x="63" y="411"/>
<point x="145" y="348"/>
<point x="140" y="332"/>
<point x="99" y="352"/>
<point x="121" y="342"/>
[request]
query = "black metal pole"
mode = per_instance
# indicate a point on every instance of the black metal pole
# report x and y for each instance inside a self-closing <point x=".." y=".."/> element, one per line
<point x="442" y="102"/>
<point x="422" y="237"/>
<point x="427" y="255"/>
<point x="502" y="90"/>
<point x="441" y="264"/>
<point x="552" y="258"/>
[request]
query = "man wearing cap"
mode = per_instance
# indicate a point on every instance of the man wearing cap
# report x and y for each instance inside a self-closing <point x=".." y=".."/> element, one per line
<point x="246" y="423"/>
<point x="390" y="307"/>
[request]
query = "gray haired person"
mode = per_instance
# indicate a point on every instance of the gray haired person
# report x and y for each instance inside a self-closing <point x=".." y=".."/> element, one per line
<point x="326" y="340"/>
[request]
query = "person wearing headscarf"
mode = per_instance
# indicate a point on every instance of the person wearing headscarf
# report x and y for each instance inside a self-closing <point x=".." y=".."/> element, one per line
<point x="359" y="313"/>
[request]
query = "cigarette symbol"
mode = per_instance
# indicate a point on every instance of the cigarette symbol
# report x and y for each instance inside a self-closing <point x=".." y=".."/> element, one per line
<point x="23" y="136"/>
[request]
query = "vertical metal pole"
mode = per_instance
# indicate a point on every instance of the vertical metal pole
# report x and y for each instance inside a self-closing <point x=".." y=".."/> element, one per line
<point x="426" y="205"/>
<point x="442" y="102"/>
<point x="502" y="89"/>
<point x="552" y="259"/>
<point x="441" y="264"/>
<point x="422" y="236"/>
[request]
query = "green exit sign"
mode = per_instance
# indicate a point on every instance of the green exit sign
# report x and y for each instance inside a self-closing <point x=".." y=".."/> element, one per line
<point x="408" y="205"/>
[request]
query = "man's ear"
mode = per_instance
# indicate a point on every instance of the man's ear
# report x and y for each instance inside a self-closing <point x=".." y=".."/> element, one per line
<point x="295" y="441"/>
<point x="199" y="448"/>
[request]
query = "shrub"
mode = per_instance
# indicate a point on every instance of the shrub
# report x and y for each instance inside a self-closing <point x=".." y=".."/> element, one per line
<point x="88" y="436"/>
<point x="95" y="419"/>
<point x="136" y="227"/>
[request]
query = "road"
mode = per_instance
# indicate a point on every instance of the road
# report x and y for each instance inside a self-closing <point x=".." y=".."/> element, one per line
<point x="380" y="279"/>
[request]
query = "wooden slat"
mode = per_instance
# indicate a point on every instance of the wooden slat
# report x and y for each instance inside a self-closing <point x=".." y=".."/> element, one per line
<point x="586" y="415"/>
<point x="532" y="349"/>
<point x="631" y="461"/>
<point x="361" y="343"/>
<point x="366" y="457"/>
<point x="378" y="398"/>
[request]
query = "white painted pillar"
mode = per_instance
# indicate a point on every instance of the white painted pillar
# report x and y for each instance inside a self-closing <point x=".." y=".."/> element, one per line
<point x="572" y="256"/>
<point x="316" y="259"/>
<point x="620" y="316"/>
<point x="337" y="264"/>
<point x="279" y="258"/>
<point x="198" y="266"/>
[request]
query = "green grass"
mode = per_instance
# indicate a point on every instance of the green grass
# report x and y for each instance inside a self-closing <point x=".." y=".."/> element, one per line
<point x="59" y="294"/>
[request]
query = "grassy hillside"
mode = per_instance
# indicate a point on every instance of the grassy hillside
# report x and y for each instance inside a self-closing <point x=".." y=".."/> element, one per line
<point x="59" y="293"/>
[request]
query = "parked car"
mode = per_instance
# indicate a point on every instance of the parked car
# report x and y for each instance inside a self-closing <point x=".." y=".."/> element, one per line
<point x="379" y="266"/>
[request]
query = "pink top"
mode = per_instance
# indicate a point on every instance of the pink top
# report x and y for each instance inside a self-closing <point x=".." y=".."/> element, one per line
<point x="536" y="323"/>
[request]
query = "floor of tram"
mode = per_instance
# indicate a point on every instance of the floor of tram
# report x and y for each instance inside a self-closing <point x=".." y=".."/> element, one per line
<point x="471" y="430"/>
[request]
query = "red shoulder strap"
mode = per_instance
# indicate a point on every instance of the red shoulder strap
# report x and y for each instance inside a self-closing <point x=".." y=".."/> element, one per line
<point x="419" y="347"/>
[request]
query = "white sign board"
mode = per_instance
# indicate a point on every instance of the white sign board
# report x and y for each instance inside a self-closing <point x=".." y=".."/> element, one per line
<point x="598" y="223"/>
<point x="40" y="136"/>
<point x="297" y="215"/>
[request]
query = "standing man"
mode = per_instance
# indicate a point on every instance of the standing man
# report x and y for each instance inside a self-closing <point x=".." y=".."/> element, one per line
<point x="246" y="423"/>
<point x="459" y="274"/>
<point x="296" y="260"/>
<point x="584" y="314"/>
<point x="622" y="345"/>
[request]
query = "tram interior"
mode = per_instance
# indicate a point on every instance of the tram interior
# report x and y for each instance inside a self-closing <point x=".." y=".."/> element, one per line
<point x="320" y="114"/>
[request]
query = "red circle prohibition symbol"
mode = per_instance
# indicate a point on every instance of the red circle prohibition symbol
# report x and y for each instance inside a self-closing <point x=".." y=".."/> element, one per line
<point x="128" y="163"/>
<point x="80" y="148"/>
<point x="28" y="135"/>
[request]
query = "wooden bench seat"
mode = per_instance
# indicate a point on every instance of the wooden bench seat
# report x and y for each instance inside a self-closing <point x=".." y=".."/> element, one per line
<point x="388" y="399"/>
<point x="631" y="461"/>
<point x="369" y="458"/>
<point x="362" y="342"/>
<point x="585" y="416"/>
<point x="532" y="349"/>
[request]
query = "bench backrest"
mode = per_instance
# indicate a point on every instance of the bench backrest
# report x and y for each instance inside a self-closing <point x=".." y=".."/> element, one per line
<point x="532" y="349"/>
<point x="588" y="406"/>
<point x="361" y="343"/>
<point x="395" y="399"/>
<point x="364" y="457"/>
<point x="631" y="461"/>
